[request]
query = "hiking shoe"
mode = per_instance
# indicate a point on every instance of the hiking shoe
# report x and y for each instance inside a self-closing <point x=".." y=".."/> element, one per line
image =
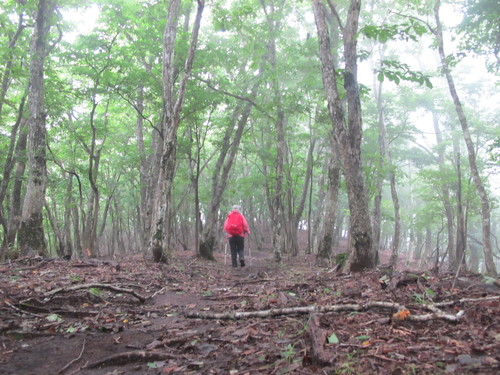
<point x="242" y="262"/>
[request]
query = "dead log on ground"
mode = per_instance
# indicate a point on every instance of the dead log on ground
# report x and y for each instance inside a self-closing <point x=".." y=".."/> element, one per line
<point x="436" y="313"/>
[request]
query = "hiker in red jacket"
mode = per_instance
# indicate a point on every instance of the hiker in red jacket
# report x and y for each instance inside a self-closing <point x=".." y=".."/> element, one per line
<point x="236" y="227"/>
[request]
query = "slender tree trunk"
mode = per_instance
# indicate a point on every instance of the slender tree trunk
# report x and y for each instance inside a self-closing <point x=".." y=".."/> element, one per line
<point x="6" y="73"/>
<point x="58" y="234"/>
<point x="145" y="177"/>
<point x="303" y="197"/>
<point x="461" y="231"/>
<point x="77" y="231"/>
<point x="385" y="152"/>
<point x="281" y="229"/>
<point x="485" y="204"/>
<point x="68" y="202"/>
<point x="445" y="189"/>
<point x="15" y="211"/>
<point x="160" y="239"/>
<point x="10" y="162"/>
<point x="348" y="132"/>
<point x="31" y="237"/>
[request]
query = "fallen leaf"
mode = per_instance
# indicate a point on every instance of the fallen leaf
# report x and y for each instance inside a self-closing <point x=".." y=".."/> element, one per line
<point x="401" y="315"/>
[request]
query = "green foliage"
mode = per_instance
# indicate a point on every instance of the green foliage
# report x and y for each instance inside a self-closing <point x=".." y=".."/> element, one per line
<point x="480" y="30"/>
<point x="397" y="72"/>
<point x="333" y="339"/>
<point x="407" y="31"/>
<point x="288" y="353"/>
<point x="425" y="297"/>
<point x="340" y="260"/>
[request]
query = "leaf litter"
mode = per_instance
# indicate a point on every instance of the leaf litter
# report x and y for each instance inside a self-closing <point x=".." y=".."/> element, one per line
<point x="202" y="317"/>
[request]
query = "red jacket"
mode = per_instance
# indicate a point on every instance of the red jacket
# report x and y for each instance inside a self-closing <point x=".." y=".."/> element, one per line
<point x="246" y="229"/>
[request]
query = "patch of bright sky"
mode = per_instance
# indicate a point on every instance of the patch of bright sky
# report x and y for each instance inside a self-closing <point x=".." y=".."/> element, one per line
<point x="84" y="21"/>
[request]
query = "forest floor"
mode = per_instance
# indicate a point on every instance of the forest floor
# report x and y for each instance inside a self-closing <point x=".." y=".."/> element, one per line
<point x="202" y="317"/>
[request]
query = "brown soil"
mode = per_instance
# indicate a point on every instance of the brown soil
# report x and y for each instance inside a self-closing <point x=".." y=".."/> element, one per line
<point x="51" y="326"/>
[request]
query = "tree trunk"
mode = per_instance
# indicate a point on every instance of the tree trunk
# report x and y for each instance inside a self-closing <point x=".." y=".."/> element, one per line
<point x="77" y="232"/>
<point x="31" y="236"/>
<point x="68" y="202"/>
<point x="326" y="236"/>
<point x="6" y="74"/>
<point x="348" y="132"/>
<point x="305" y="190"/>
<point x="385" y="152"/>
<point x="450" y="216"/>
<point x="280" y="228"/>
<point x="485" y="204"/>
<point x="225" y="161"/>
<point x="461" y="229"/>
<point x="160" y="238"/>
<point x="145" y="177"/>
<point x="10" y="162"/>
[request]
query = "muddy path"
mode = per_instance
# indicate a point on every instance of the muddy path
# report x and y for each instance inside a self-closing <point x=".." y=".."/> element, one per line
<point x="136" y="317"/>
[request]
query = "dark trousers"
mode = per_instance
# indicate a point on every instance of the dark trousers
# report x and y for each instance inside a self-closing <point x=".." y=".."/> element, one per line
<point x="237" y="245"/>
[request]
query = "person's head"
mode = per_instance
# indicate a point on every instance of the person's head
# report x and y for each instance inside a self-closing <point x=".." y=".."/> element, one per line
<point x="236" y="208"/>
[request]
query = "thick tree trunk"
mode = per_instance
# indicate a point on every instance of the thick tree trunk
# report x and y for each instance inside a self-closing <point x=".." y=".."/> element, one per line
<point x="485" y="204"/>
<point x="31" y="237"/>
<point x="326" y="236"/>
<point x="348" y="133"/>
<point x="160" y="238"/>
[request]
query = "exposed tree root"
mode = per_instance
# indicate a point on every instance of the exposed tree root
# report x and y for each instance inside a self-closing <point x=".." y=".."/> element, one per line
<point x="129" y="357"/>
<point x="95" y="285"/>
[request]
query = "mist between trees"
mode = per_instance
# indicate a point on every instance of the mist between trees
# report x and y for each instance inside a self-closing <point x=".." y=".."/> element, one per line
<point x="367" y="128"/>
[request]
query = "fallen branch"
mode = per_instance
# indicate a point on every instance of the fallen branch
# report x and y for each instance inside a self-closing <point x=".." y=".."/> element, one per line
<point x="95" y="285"/>
<point x="463" y="300"/>
<point x="436" y="313"/>
<point x="129" y="357"/>
<point x="21" y="310"/>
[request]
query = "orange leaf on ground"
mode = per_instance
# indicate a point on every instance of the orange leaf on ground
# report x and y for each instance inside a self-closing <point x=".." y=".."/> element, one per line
<point x="401" y="315"/>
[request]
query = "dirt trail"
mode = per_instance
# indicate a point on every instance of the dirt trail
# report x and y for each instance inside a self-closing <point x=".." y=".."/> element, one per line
<point x="100" y="331"/>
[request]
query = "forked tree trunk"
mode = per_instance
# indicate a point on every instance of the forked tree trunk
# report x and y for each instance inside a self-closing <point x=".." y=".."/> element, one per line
<point x="160" y="238"/>
<point x="347" y="130"/>
<point x="225" y="161"/>
<point x="485" y="204"/>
